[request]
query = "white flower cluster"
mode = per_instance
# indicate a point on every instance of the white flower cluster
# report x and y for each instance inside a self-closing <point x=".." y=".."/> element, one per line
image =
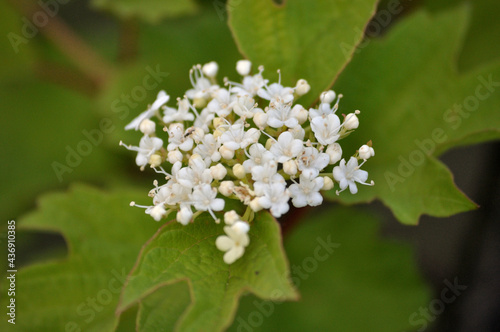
<point x="246" y="141"/>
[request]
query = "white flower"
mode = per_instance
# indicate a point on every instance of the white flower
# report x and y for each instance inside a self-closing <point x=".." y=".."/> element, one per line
<point x="258" y="155"/>
<point x="280" y="114"/>
<point x="180" y="114"/>
<point x="236" y="137"/>
<point x="311" y="162"/>
<point x="276" y="91"/>
<point x="306" y="192"/>
<point x="204" y="199"/>
<point x="208" y="149"/>
<point x="147" y="146"/>
<point x="326" y="129"/>
<point x="250" y="84"/>
<point x="178" y="138"/>
<point x="244" y="106"/>
<point x="275" y="198"/>
<point x="265" y="175"/>
<point x="161" y="99"/>
<point x="202" y="88"/>
<point x="286" y="147"/>
<point x="235" y="242"/>
<point x="348" y="175"/>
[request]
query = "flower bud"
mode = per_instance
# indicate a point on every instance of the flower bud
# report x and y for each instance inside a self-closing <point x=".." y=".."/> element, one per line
<point x="243" y="67"/>
<point x="184" y="215"/>
<point x="328" y="96"/>
<point x="327" y="183"/>
<point x="302" y="87"/>
<point x="335" y="152"/>
<point x="155" y="160"/>
<point x="290" y="167"/>
<point x="300" y="113"/>
<point x="231" y="217"/>
<point x="351" y="121"/>
<point x="226" y="153"/>
<point x="239" y="171"/>
<point x="210" y="69"/>
<point x="174" y="156"/>
<point x="147" y="127"/>
<point x="226" y="188"/>
<point x="366" y="152"/>
<point x="260" y="119"/>
<point x="255" y="205"/>
<point x="218" y="172"/>
<point x="269" y="143"/>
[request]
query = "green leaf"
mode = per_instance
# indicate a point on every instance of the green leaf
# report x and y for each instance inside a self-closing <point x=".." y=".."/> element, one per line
<point x="409" y="104"/>
<point x="179" y="252"/>
<point x="150" y="10"/>
<point x="481" y="40"/>
<point x="312" y="40"/>
<point x="349" y="278"/>
<point x="47" y="142"/>
<point x="161" y="310"/>
<point x="104" y="236"/>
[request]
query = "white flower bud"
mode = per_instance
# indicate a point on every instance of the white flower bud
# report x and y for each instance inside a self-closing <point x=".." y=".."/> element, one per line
<point x="226" y="153"/>
<point x="351" y="121"/>
<point x="255" y="205"/>
<point x="302" y="115"/>
<point x="302" y="87"/>
<point x="226" y="188"/>
<point x="147" y="127"/>
<point x="365" y="152"/>
<point x="210" y="69"/>
<point x="335" y="152"/>
<point x="241" y="227"/>
<point x="327" y="183"/>
<point x="260" y="119"/>
<point x="290" y="167"/>
<point x="184" y="215"/>
<point x="269" y="143"/>
<point x="155" y="160"/>
<point x="328" y="96"/>
<point x="199" y="103"/>
<point x="243" y="67"/>
<point x="218" y="172"/>
<point x="239" y="171"/>
<point x="231" y="217"/>
<point x="174" y="156"/>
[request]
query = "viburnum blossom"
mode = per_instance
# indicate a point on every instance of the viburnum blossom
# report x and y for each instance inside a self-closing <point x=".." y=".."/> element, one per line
<point x="248" y="141"/>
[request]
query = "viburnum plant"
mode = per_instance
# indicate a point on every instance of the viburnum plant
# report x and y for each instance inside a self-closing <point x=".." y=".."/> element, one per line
<point x="246" y="141"/>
